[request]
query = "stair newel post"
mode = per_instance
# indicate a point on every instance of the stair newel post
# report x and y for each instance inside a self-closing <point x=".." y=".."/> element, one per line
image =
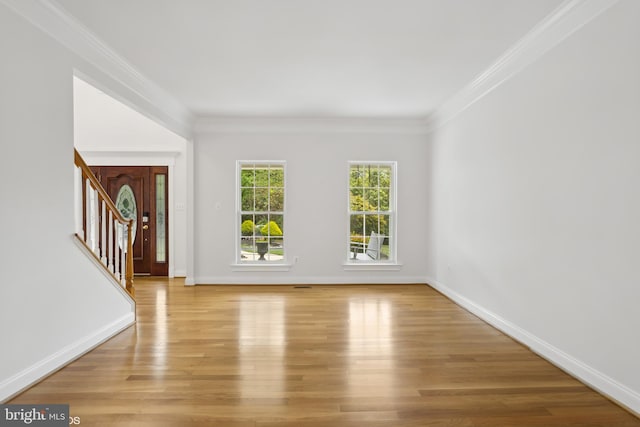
<point x="129" y="271"/>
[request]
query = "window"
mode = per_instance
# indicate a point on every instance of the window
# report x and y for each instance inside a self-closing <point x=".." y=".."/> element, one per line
<point x="161" y="215"/>
<point x="372" y="212"/>
<point x="261" y="212"/>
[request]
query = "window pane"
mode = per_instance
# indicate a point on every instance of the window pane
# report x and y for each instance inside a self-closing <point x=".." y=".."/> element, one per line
<point x="277" y="200"/>
<point x="278" y="220"/>
<point x="262" y="176"/>
<point x="357" y="239"/>
<point x="271" y="229"/>
<point x="126" y="204"/>
<point x="247" y="236"/>
<point x="384" y="199"/>
<point x="385" y="228"/>
<point x="385" y="176"/>
<point x="370" y="175"/>
<point x="357" y="226"/>
<point x="161" y="242"/>
<point x="262" y="200"/>
<point x="371" y="199"/>
<point x="249" y="249"/>
<point x="247" y="199"/>
<point x="276" y="176"/>
<point x="276" y="237"/>
<point x="276" y="252"/>
<point x="357" y="201"/>
<point x="246" y="177"/>
<point x="372" y="223"/>
<point x="247" y="226"/>
<point x="356" y="174"/>
<point x="384" y="222"/>
<point x="261" y="220"/>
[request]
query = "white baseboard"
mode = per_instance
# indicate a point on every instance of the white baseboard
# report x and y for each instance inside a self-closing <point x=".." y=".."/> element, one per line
<point x="31" y="375"/>
<point x="621" y="394"/>
<point x="264" y="279"/>
<point x="180" y="273"/>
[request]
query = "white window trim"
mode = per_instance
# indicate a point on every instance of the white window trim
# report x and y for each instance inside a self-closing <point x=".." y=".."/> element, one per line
<point x="254" y="265"/>
<point x="392" y="263"/>
<point x="262" y="267"/>
<point x="372" y="266"/>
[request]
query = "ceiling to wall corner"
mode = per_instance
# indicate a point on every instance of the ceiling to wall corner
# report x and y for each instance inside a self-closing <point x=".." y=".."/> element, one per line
<point x="304" y="58"/>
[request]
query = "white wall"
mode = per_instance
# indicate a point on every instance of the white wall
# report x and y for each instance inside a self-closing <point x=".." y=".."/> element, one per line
<point x="110" y="133"/>
<point x="536" y="208"/>
<point x="54" y="304"/>
<point x="316" y="221"/>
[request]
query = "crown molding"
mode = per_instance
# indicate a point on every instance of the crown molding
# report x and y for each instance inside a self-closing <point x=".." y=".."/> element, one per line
<point x="293" y="124"/>
<point x="565" y="20"/>
<point x="50" y="17"/>
<point x="129" y="157"/>
<point x="55" y="21"/>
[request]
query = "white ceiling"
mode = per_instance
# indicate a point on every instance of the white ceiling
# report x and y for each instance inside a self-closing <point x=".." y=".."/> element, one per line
<point x="356" y="58"/>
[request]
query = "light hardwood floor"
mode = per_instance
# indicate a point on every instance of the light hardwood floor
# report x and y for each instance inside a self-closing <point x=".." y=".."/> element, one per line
<point x="325" y="356"/>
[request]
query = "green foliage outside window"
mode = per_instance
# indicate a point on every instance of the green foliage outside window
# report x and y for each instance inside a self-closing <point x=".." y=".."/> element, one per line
<point x="373" y="222"/>
<point x="262" y="188"/>
<point x="247" y="228"/>
<point x="262" y="208"/>
<point x="369" y="192"/>
<point x="272" y="229"/>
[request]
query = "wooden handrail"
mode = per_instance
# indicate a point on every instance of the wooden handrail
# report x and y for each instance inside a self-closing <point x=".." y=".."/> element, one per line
<point x="87" y="172"/>
<point x="118" y="264"/>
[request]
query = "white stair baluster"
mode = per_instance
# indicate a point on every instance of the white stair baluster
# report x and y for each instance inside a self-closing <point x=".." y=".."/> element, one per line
<point x="87" y="213"/>
<point x="103" y="235"/>
<point x="77" y="185"/>
<point x="94" y="221"/>
<point x="123" y="271"/>
<point x="110" y="242"/>
<point x="116" y="249"/>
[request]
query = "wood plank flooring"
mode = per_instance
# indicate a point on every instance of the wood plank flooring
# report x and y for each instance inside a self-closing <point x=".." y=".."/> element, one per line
<point x="325" y="356"/>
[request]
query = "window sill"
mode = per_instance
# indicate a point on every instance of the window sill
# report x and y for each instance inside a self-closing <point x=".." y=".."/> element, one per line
<point x="372" y="266"/>
<point x="261" y="267"/>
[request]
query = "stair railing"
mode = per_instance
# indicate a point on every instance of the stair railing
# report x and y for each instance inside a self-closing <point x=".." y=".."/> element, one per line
<point x="101" y="227"/>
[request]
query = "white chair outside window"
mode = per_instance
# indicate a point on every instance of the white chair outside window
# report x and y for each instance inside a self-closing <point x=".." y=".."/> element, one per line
<point x="367" y="252"/>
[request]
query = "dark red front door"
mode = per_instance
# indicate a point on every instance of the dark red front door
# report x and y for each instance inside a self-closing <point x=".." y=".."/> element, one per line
<point x="140" y="192"/>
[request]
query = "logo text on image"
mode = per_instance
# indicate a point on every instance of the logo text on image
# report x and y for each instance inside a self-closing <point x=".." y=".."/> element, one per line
<point x="34" y="415"/>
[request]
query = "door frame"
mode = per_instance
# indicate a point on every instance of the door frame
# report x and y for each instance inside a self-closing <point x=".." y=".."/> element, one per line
<point x="145" y="158"/>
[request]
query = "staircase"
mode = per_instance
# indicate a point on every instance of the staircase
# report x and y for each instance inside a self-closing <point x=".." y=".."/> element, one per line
<point x="101" y="228"/>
